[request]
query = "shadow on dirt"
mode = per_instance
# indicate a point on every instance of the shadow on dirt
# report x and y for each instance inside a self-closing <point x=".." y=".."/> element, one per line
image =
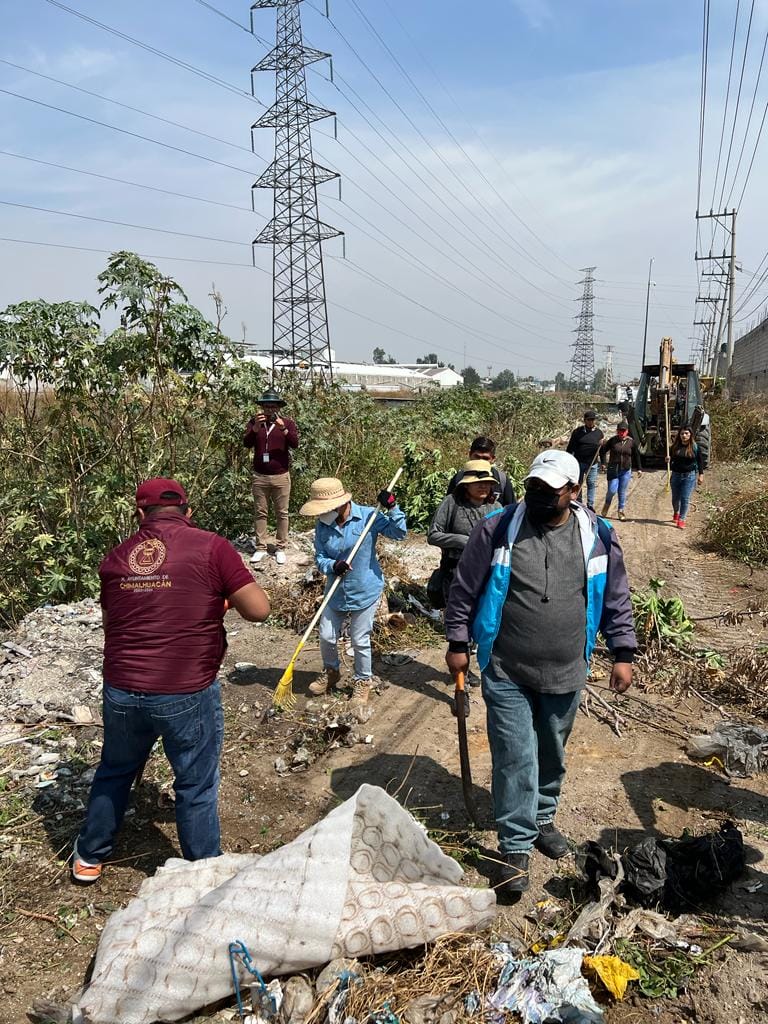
<point x="139" y="843"/>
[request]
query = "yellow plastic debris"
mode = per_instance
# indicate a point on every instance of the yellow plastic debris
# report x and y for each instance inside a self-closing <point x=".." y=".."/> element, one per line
<point x="614" y="973"/>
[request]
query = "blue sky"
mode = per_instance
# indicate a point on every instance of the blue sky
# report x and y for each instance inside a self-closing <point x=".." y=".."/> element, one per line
<point x="573" y="142"/>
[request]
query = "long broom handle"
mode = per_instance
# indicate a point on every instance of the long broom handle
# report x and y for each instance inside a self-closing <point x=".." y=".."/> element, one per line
<point x="332" y="590"/>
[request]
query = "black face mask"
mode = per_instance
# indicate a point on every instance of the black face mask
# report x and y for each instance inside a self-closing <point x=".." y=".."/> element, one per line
<point x="542" y="506"/>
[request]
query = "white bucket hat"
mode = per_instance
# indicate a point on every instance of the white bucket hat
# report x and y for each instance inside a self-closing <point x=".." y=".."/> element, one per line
<point x="554" y="468"/>
<point x="325" y="495"/>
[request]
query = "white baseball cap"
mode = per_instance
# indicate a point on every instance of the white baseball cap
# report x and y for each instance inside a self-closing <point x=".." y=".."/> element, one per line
<point x="555" y="468"/>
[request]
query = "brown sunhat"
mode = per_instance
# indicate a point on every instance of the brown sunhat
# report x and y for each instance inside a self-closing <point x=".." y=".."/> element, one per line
<point x="325" y="495"/>
<point x="477" y="471"/>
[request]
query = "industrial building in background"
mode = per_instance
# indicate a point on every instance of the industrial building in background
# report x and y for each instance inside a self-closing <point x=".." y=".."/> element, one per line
<point x="300" y="336"/>
<point x="583" y="361"/>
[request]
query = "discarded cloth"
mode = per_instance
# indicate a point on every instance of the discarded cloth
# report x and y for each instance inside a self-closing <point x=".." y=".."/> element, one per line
<point x="742" y="749"/>
<point x="363" y="880"/>
<point x="545" y="989"/>
<point x="614" y="973"/>
<point x="685" y="872"/>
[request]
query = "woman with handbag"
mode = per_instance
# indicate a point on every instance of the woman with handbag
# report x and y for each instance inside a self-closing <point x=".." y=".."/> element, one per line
<point x="473" y="498"/>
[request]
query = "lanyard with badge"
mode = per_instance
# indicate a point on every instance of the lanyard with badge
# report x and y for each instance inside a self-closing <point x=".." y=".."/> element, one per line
<point x="265" y="455"/>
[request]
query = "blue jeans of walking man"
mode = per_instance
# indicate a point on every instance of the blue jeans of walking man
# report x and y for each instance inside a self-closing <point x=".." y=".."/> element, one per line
<point x="360" y="627"/>
<point x="527" y="732"/>
<point x="191" y="726"/>
<point x="683" y="485"/>
<point x="589" y="477"/>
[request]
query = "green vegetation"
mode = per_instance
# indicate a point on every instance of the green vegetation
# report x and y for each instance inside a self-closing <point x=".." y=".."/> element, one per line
<point x="740" y="528"/>
<point x="95" y="412"/>
<point x="660" y="621"/>
<point x="739" y="430"/>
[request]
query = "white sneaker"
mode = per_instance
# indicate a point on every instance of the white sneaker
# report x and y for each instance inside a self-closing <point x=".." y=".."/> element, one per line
<point x="280" y="557"/>
<point x="258" y="555"/>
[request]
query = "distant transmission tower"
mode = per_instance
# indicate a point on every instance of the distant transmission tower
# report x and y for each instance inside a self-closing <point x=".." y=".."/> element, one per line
<point x="608" y="367"/>
<point x="583" y="362"/>
<point x="300" y="338"/>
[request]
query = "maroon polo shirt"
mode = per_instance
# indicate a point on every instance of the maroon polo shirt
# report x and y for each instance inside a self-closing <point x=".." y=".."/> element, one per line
<point x="163" y="591"/>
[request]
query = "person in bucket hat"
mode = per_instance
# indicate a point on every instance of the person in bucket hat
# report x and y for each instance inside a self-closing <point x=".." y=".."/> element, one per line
<point x="272" y="437"/>
<point x="339" y="523"/>
<point x="471" y="500"/>
<point x="535" y="584"/>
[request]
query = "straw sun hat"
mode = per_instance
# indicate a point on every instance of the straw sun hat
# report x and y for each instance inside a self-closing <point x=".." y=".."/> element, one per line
<point x="325" y="495"/>
<point x="477" y="471"/>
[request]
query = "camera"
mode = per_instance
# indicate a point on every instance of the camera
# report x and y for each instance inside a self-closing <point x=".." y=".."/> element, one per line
<point x="272" y="417"/>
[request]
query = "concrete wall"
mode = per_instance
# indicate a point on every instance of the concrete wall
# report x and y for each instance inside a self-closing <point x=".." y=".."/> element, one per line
<point x="749" y="371"/>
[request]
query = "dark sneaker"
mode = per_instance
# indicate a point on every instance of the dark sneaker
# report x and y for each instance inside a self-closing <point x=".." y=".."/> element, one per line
<point x="513" y="872"/>
<point x="551" y="842"/>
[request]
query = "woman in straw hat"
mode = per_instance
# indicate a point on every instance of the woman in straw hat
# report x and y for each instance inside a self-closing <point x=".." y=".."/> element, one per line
<point x="340" y="521"/>
<point x="472" y="500"/>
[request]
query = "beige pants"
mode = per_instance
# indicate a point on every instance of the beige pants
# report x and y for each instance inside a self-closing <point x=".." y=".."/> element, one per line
<point x="276" y="489"/>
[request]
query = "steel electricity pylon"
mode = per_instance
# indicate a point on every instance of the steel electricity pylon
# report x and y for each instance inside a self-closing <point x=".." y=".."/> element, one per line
<point x="300" y="337"/>
<point x="583" y="361"/>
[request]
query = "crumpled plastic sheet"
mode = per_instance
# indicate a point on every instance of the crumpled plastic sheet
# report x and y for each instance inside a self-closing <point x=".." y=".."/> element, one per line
<point x="742" y="749"/>
<point x="545" y="989"/>
<point x="614" y="973"/>
<point x="363" y="880"/>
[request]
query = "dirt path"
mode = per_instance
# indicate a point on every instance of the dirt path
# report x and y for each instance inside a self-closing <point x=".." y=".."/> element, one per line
<point x="618" y="789"/>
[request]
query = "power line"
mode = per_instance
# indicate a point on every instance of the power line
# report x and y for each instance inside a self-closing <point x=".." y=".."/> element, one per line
<point x="738" y="101"/>
<point x="250" y="267"/>
<point x="126" y="106"/>
<point x="224" y="84"/>
<point x="124" y="181"/>
<point x="473" y="129"/>
<point x="749" y="121"/>
<point x="121" y="223"/>
<point x="725" y="108"/>
<point x="199" y="72"/>
<point x="125" y="131"/>
<point x="452" y="136"/>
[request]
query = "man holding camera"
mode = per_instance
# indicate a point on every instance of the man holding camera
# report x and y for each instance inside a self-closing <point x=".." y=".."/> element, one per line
<point x="272" y="436"/>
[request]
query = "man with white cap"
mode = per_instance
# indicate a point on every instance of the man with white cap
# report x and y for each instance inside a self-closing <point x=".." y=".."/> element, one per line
<point x="534" y="586"/>
<point x="340" y="522"/>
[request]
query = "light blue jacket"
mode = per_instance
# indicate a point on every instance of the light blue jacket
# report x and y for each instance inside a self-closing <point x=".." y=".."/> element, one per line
<point x="362" y="586"/>
<point x="480" y="586"/>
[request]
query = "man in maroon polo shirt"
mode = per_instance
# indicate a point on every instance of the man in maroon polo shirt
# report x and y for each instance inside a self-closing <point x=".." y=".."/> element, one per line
<point x="164" y="592"/>
<point x="272" y="437"/>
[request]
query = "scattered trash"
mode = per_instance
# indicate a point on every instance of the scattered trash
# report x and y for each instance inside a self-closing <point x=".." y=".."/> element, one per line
<point x="614" y="973"/>
<point x="434" y="1009"/>
<point x="428" y="613"/>
<point x="398" y="658"/>
<point x="741" y="749"/>
<point x="545" y="988"/>
<point x="364" y="880"/>
<point x="656" y="926"/>
<point x="298" y="1000"/>
<point x="675" y="873"/>
<point x="749" y="942"/>
<point x="684" y="872"/>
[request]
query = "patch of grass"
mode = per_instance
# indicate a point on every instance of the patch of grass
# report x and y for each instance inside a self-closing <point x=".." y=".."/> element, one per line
<point x="11" y="807"/>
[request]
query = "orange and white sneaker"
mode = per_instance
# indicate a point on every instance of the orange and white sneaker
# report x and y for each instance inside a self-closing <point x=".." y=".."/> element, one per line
<point x="83" y="870"/>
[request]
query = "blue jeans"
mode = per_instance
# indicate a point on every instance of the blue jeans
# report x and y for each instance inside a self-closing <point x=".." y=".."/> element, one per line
<point x="192" y="729"/>
<point x="360" y="627"/>
<point x="683" y="485"/>
<point x="590" y="476"/>
<point x="527" y="732"/>
<point x="619" y="483"/>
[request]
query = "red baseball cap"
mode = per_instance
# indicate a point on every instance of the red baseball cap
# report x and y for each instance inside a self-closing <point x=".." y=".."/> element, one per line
<point x="158" y="491"/>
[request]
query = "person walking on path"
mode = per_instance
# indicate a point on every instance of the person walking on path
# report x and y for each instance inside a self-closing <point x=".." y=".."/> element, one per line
<point x="584" y="445"/>
<point x="340" y="521"/>
<point x="272" y="436"/>
<point x="164" y="592"/>
<point x="473" y="498"/>
<point x="687" y="465"/>
<point x="483" y="448"/>
<point x="621" y="455"/>
<point x="535" y="585"/>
